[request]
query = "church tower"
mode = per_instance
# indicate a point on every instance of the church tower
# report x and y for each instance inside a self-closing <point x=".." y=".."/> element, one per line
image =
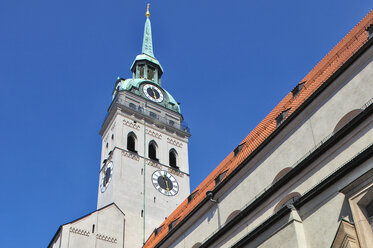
<point x="144" y="160"/>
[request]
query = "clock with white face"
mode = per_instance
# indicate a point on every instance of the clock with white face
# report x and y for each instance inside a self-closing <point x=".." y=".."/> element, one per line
<point x="106" y="176"/>
<point x="153" y="93"/>
<point x="165" y="183"/>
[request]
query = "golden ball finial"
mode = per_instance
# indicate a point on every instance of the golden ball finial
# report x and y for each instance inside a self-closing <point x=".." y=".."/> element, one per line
<point x="147" y="11"/>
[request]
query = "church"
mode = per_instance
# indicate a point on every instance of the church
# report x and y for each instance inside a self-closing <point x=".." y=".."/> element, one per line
<point x="302" y="178"/>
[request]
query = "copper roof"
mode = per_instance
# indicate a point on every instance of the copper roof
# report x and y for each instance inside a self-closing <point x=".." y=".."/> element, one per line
<point x="333" y="61"/>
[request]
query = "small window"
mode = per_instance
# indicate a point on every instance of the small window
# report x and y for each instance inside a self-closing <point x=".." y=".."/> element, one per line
<point x="219" y="178"/>
<point x="154" y="115"/>
<point x="131" y="142"/>
<point x="132" y="106"/>
<point x="151" y="72"/>
<point x="297" y="89"/>
<point x="141" y="71"/>
<point x="157" y="230"/>
<point x="238" y="149"/>
<point x="370" y="31"/>
<point x="172" y="225"/>
<point x="191" y="196"/>
<point x="112" y="136"/>
<point x="172" y="159"/>
<point x="171" y="122"/>
<point x="152" y="151"/>
<point x="281" y="117"/>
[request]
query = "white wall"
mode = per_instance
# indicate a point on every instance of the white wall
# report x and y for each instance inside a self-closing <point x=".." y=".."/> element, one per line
<point x="108" y="230"/>
<point x="127" y="186"/>
<point x="350" y="91"/>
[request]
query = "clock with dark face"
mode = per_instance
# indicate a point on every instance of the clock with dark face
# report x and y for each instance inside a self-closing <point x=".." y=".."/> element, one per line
<point x="165" y="183"/>
<point x="153" y="93"/>
<point x="106" y="176"/>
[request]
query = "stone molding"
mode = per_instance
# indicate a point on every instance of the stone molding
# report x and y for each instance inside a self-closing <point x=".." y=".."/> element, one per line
<point x="159" y="166"/>
<point x="154" y="134"/>
<point x="174" y="142"/>
<point x="131" y="124"/>
<point x="154" y="164"/>
<point x="357" y="206"/>
<point x="346" y="236"/>
<point x="106" y="238"/>
<point x="131" y="155"/>
<point x="112" y="127"/>
<point x="79" y="231"/>
<point x="175" y="172"/>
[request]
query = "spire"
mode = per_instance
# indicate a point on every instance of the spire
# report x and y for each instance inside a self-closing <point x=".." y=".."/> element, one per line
<point x="146" y="66"/>
<point x="147" y="44"/>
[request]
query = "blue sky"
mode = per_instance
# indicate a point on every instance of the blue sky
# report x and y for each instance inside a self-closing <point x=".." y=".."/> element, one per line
<point x="228" y="63"/>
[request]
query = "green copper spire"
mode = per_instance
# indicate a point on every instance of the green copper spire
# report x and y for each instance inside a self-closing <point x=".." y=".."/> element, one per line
<point x="146" y="69"/>
<point x="147" y="44"/>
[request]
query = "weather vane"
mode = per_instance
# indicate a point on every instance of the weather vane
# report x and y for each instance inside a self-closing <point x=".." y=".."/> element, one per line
<point x="147" y="11"/>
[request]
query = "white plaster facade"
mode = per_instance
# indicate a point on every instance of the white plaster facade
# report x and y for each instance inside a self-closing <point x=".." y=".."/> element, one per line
<point x="102" y="228"/>
<point x="127" y="186"/>
<point x="312" y="224"/>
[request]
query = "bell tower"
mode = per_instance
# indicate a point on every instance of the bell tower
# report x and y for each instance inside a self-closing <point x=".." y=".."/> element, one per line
<point x="144" y="159"/>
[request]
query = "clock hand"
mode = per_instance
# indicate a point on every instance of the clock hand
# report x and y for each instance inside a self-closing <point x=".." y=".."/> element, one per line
<point x="153" y="93"/>
<point x="165" y="180"/>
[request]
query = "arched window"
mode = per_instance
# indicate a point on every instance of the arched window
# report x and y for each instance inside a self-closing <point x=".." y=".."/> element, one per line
<point x="346" y="119"/>
<point x="232" y="215"/>
<point x="152" y="150"/>
<point x="132" y="105"/>
<point x="173" y="158"/>
<point x="131" y="142"/>
<point x="287" y="200"/>
<point x="281" y="174"/>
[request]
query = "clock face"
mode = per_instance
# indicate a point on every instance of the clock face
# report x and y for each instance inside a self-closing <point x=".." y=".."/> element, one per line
<point x="106" y="176"/>
<point x="153" y="93"/>
<point x="165" y="183"/>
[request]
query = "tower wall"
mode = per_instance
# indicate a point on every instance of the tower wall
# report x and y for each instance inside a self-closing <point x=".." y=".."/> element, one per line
<point x="126" y="188"/>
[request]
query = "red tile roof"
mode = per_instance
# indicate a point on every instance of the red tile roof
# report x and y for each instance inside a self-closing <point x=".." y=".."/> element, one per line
<point x="348" y="46"/>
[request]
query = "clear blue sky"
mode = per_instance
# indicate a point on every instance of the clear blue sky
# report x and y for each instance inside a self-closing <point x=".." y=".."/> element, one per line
<point x="228" y="63"/>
